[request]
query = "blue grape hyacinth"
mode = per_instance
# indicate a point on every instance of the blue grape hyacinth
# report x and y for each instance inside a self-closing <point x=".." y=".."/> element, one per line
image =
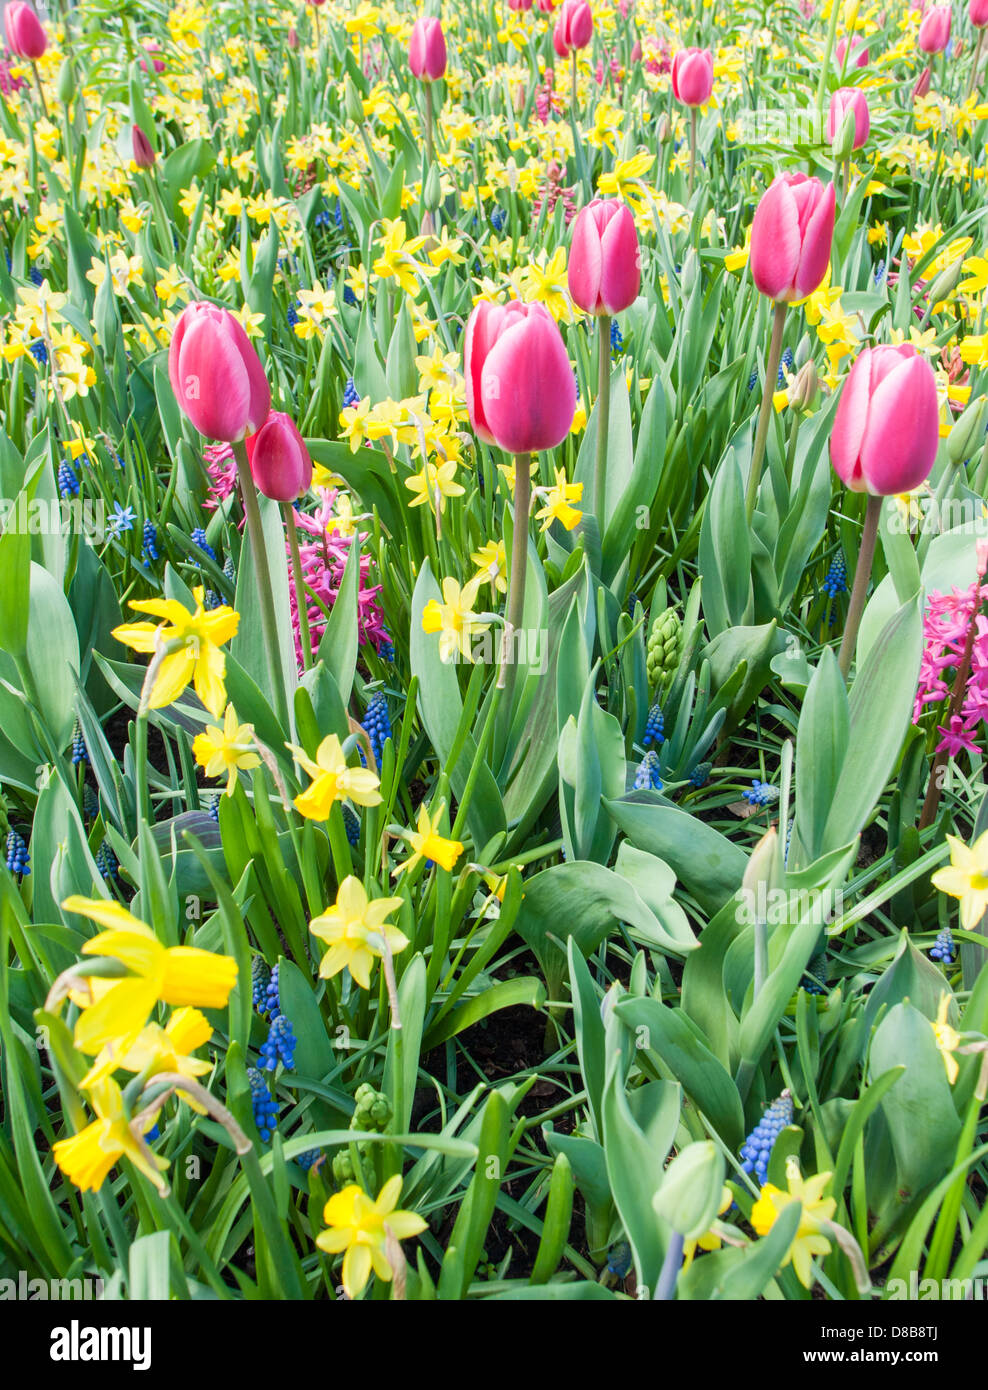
<point x="836" y="581"/>
<point x="757" y="1148"/>
<point x="263" y="1104"/>
<point x="647" y="777"/>
<point x="351" y="396"/>
<point x="260" y="978"/>
<point x="377" y="723"/>
<point x="68" y="480"/>
<point x="761" y="793"/>
<point x="351" y="824"/>
<point x="944" y="949"/>
<point x="18" y="859"/>
<point x="106" y="861"/>
<point x="280" y="1045"/>
<point x="654" y="728"/>
<point x="80" y="753"/>
<point x="198" y="538"/>
<point x="150" y="541"/>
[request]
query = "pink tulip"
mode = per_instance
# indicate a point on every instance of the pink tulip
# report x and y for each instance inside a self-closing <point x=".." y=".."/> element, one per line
<point x="693" y="76"/>
<point x="922" y="84"/>
<point x="25" y="33"/>
<point x="574" y="27"/>
<point x="977" y="11"/>
<point x="547" y="6"/>
<point x="859" y="55"/>
<point x="520" y="388"/>
<point x="279" y="461"/>
<point x="604" y="271"/>
<point x="143" y="150"/>
<point x="427" y="50"/>
<point x="790" y="237"/>
<point x="293" y="39"/>
<point x="851" y="99"/>
<point x="934" y="32"/>
<point x="216" y="375"/>
<point x="151" y="47"/>
<point x="636" y="52"/>
<point x="887" y="427"/>
<point x="520" y="4"/>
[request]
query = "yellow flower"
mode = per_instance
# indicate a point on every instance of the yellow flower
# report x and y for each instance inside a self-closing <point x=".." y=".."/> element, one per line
<point x="427" y="843"/>
<point x="435" y="481"/>
<point x="333" y="780"/>
<point x="809" y="1240"/>
<point x="558" y="499"/>
<point x="192" y="648"/>
<point x="159" y="1049"/>
<point x="355" y="929"/>
<point x="88" y="1156"/>
<point x="491" y="561"/>
<point x="226" y="750"/>
<point x="948" y="1039"/>
<point x="360" y="1227"/>
<point x="966" y="878"/>
<point x="165" y="974"/>
<point x="453" y="619"/>
<point x="710" y="1240"/>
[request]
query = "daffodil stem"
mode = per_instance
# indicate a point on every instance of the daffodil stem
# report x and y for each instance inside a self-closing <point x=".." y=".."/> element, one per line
<point x="974" y="64"/>
<point x="301" y="601"/>
<point x="862" y="574"/>
<point x="515" y="612"/>
<point x="765" y="413"/>
<point x="262" y="575"/>
<point x="938" y="1260"/>
<point x="934" y="790"/>
<point x="143" y="807"/>
<point x="671" y="1266"/>
<point x="603" y="417"/>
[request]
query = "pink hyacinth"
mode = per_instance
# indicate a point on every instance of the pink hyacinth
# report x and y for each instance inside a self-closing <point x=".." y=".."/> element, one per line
<point x="222" y="469"/>
<point x="946" y="628"/>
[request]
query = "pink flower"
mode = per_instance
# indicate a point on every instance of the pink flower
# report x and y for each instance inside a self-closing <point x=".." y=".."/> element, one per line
<point x="922" y="84"/>
<point x="222" y="469"/>
<point x="887" y="427"/>
<point x="520" y="388"/>
<point x="142" y="148"/>
<point x="791" y="235"/>
<point x="25" y="33"/>
<point x="427" y="50"/>
<point x="977" y="11"/>
<point x="693" y="76"/>
<point x="844" y="100"/>
<point x="574" y="27"/>
<point x="151" y="47"/>
<point x="604" y="271"/>
<point x="934" y="31"/>
<point x="324" y="559"/>
<point x="957" y="738"/>
<point x="519" y="4"/>
<point x="858" y="57"/>
<point x="216" y="375"/>
<point x="279" y="461"/>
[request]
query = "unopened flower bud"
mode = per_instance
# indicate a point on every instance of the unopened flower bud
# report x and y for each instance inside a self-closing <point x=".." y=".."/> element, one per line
<point x="968" y="433"/>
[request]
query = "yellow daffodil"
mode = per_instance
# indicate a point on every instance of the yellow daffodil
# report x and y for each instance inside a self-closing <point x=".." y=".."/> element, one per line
<point x="453" y="619"/>
<point x="428" y="844"/>
<point x="355" y="928"/>
<point x="226" y="750"/>
<point x="948" y="1039"/>
<point x="333" y="780"/>
<point x="359" y="1227"/>
<point x="434" y="484"/>
<point x="191" y="643"/>
<point x="558" y="501"/>
<point x="809" y="1240"/>
<point x="159" y="1049"/>
<point x="966" y="878"/>
<point x="88" y="1156"/>
<point x="492" y="564"/>
<point x="710" y="1240"/>
<point x="182" y="975"/>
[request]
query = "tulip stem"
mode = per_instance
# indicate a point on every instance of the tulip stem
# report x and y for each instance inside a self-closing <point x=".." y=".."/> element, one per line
<point x="41" y="91"/>
<point x="974" y="64"/>
<point x="301" y="601"/>
<point x="692" y="148"/>
<point x="429" y="139"/>
<point x="603" y="418"/>
<point x="821" y="90"/>
<point x="574" y="107"/>
<point x="515" y="611"/>
<point x="765" y="413"/>
<point x="262" y="576"/>
<point x="862" y="575"/>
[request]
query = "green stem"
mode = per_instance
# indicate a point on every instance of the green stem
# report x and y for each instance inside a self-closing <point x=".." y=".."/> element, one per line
<point x="821" y="90"/>
<point x="862" y="575"/>
<point x="429" y="136"/>
<point x="692" y="148"/>
<point x="603" y="418"/>
<point x="974" y="64"/>
<point x="301" y="600"/>
<point x="41" y="93"/>
<point x="941" y="1244"/>
<point x="765" y="413"/>
<point x="515" y="611"/>
<point x="262" y="574"/>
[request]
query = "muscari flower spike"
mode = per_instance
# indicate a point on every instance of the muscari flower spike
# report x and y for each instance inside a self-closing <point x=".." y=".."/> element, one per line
<point x="149" y="546"/>
<point x="944" y="949"/>
<point x="80" y="753"/>
<point x="68" y="480"/>
<point x="816" y="971"/>
<point x="260" y="978"/>
<point x="263" y="1104"/>
<point x="377" y="723"/>
<point x="198" y="538"/>
<point x="106" y="860"/>
<point x="18" y="859"/>
<point x="647" y="777"/>
<point x="654" y="728"/>
<point x="761" y="793"/>
<point x="279" y="1046"/>
<point x="351" y="824"/>
<point x="700" y="774"/>
<point x="351" y="396"/>
<point x="757" y="1148"/>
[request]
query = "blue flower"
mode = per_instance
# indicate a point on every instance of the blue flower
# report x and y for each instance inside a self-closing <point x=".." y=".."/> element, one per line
<point x="836" y="581"/>
<point x="351" y="824"/>
<point x="80" y="753"/>
<point x="617" y="339"/>
<point x="280" y="1045"/>
<point x="68" y="480"/>
<point x="761" y="793"/>
<point x="39" y="352"/>
<point x="18" y="859"/>
<point x="106" y="861"/>
<point x="198" y="538"/>
<point x="647" y="777"/>
<point x="123" y="519"/>
<point x="351" y="396"/>
<point x="292" y="314"/>
<point x="260" y="976"/>
<point x="263" y="1104"/>
<point x="700" y="774"/>
<point x="654" y="728"/>
<point x="386" y="651"/>
<point x="149" y="547"/>
<point x="377" y="723"/>
<point x="757" y="1148"/>
<point x="348" y="295"/>
<point x="229" y="569"/>
<point x="944" y="948"/>
<point x="498" y="219"/>
<point x="787" y="364"/>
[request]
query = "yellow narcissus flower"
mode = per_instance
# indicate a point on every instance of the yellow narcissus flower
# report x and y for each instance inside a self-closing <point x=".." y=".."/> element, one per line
<point x="948" y="1039"/>
<point x="355" y="928"/>
<point x="966" y="878"/>
<point x="192" y="644"/>
<point x="88" y="1156"/>
<point x="492" y="564"/>
<point x="710" y="1240"/>
<point x="427" y="843"/>
<point x="333" y="780"/>
<point x="433" y="484"/>
<point x="809" y="1240"/>
<point x="165" y="974"/>
<point x="453" y="619"/>
<point x="558" y="502"/>
<point x="226" y="750"/>
<point x="360" y="1227"/>
<point x="159" y="1049"/>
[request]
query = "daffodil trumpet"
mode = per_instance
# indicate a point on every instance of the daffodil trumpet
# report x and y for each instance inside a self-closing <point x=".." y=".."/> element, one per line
<point x="262" y="576"/>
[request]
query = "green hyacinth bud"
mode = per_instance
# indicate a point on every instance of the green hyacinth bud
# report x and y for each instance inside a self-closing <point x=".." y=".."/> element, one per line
<point x="664" y="648"/>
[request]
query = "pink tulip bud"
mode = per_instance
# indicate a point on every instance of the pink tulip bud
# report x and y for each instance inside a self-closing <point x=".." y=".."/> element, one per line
<point x="791" y="236"/>
<point x="934" y="32"/>
<point x="887" y="426"/>
<point x="216" y="375"/>
<point x="521" y="392"/>
<point x="574" y="27"/>
<point x="427" y="50"/>
<point x="858" y="57"/>
<point x="520" y="4"/>
<point x="693" y="76"/>
<point x="25" y="33"/>
<point x="636" y="51"/>
<point x="144" y="155"/>
<point x="293" y="39"/>
<point x="604" y="271"/>
<point x="279" y="461"/>
<point x="847" y="99"/>
<point x="547" y="6"/>
<point x="978" y="13"/>
<point x="922" y="84"/>
<point x="151" y="47"/>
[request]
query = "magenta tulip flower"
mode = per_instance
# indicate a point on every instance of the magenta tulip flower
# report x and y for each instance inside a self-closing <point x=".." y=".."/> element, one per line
<point x="25" y="33"/>
<point x="977" y="12"/>
<point x="887" y="427"/>
<point x="604" y="270"/>
<point x="934" y="31"/>
<point x="693" y="76"/>
<point x="574" y="27"/>
<point x="858" y="57"/>
<point x="142" y="148"/>
<point x="216" y="375"/>
<point x="791" y="235"/>
<point x="279" y="461"/>
<point x="427" y="50"/>
<point x="520" y="4"/>
<point x="851" y="99"/>
<point x="520" y="388"/>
